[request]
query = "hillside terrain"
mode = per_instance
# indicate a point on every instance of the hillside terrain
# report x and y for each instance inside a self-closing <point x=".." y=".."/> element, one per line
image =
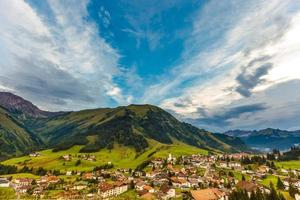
<point x="15" y="139"/>
<point x="119" y="156"/>
<point x="130" y="126"/>
<point x="268" y="138"/>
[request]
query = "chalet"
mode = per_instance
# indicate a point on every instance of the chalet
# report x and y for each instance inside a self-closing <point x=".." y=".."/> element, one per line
<point x="193" y="182"/>
<point x="107" y="190"/>
<point x="140" y="185"/>
<point x="263" y="169"/>
<point x="167" y="192"/>
<point x="294" y="182"/>
<point x="4" y="182"/>
<point x="23" y="188"/>
<point x="223" y="164"/>
<point x="80" y="185"/>
<point x="149" y="188"/>
<point x="67" y="157"/>
<point x="53" y="179"/>
<point x="23" y="181"/>
<point x="120" y="187"/>
<point x="68" y="173"/>
<point x="36" y="154"/>
<point x="37" y="191"/>
<point x="234" y="165"/>
<point x="180" y="183"/>
<point x="208" y="194"/>
<point x="88" y="176"/>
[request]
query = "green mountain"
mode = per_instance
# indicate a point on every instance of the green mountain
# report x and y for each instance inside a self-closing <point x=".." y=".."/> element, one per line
<point x="15" y="139"/>
<point x="133" y="126"/>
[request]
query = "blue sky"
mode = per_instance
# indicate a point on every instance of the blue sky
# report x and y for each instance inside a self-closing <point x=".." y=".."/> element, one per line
<point x="217" y="64"/>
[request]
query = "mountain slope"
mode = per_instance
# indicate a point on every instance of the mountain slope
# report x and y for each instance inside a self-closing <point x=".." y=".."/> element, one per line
<point x="24" y="127"/>
<point x="129" y="126"/>
<point x="268" y="138"/>
<point x="14" y="138"/>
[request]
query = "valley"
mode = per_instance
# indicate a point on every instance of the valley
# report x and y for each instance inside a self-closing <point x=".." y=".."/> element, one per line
<point x="132" y="152"/>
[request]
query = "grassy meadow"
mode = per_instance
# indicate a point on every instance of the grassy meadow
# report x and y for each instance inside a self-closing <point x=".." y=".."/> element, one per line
<point x="293" y="164"/>
<point x="119" y="156"/>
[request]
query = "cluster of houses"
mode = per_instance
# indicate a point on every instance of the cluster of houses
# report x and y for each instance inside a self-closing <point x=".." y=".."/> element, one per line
<point x="88" y="157"/>
<point x="196" y="177"/>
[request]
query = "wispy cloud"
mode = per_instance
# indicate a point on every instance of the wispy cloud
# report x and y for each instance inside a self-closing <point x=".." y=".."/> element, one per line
<point x="62" y="59"/>
<point x="230" y="57"/>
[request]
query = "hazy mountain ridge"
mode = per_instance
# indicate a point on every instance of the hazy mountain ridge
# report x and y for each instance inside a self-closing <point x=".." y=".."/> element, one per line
<point x="268" y="138"/>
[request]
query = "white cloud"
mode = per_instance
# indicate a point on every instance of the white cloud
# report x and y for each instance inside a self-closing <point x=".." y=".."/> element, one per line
<point x="212" y="64"/>
<point x="46" y="51"/>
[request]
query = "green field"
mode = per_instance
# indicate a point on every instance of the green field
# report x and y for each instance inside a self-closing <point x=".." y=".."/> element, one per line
<point x="21" y="175"/>
<point x="7" y="193"/>
<point x="270" y="178"/>
<point x="294" y="164"/>
<point x="120" y="157"/>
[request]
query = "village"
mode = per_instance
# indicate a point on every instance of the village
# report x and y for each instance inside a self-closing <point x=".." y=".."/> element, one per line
<point x="196" y="177"/>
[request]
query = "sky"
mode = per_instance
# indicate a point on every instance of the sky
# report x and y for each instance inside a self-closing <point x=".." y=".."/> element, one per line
<point x="218" y="65"/>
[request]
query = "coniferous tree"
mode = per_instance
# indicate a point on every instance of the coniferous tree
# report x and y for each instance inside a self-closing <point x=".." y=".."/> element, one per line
<point x="280" y="184"/>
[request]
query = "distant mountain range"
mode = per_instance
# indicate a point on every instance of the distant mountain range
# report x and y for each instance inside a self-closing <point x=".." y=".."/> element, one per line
<point x="25" y="128"/>
<point x="268" y="139"/>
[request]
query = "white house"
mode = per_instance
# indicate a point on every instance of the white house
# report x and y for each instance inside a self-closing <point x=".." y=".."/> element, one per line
<point x="4" y="182"/>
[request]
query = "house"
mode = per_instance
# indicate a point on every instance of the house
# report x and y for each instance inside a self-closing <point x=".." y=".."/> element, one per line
<point x="235" y="165"/>
<point x="180" y="183"/>
<point x="23" y="188"/>
<point x="140" y="185"/>
<point x="208" y="194"/>
<point x="224" y="164"/>
<point x="53" y="179"/>
<point x="80" y="185"/>
<point x="294" y="182"/>
<point x="148" y="188"/>
<point x="23" y="181"/>
<point x="88" y="176"/>
<point x="4" y="182"/>
<point x="263" y="169"/>
<point x="67" y="157"/>
<point x="69" y="173"/>
<point x="37" y="191"/>
<point x="193" y="182"/>
<point x="167" y="192"/>
<point x="120" y="187"/>
<point x="106" y="190"/>
<point x="35" y="154"/>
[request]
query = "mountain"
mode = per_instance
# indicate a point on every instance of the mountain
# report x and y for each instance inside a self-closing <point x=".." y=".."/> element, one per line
<point x="267" y="139"/>
<point x="132" y="125"/>
<point x="19" y="106"/>
<point x="15" y="139"/>
<point x="24" y="128"/>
